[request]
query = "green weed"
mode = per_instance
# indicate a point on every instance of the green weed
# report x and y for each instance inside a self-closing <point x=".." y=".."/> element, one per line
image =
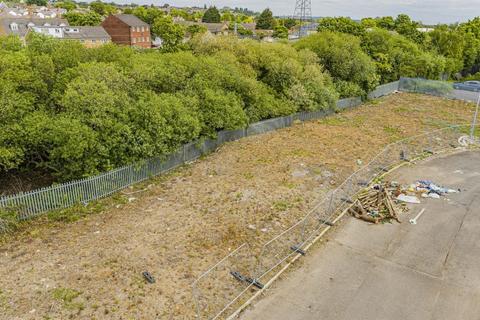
<point x="67" y="297"/>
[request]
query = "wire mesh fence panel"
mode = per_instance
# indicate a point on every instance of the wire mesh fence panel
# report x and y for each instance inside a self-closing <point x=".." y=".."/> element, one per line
<point x="219" y="288"/>
<point x="279" y="249"/>
<point x="268" y="125"/>
<point x="231" y="135"/>
<point x="349" y="103"/>
<point x="384" y="90"/>
<point x="429" y="87"/>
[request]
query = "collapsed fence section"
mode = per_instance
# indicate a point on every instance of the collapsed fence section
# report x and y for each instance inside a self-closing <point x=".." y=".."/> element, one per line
<point x="260" y="266"/>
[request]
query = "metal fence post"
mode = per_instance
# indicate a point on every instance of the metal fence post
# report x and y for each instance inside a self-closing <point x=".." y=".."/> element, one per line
<point x="474" y="122"/>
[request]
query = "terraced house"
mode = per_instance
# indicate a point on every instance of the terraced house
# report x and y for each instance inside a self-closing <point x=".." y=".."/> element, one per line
<point x="90" y="37"/>
<point x="127" y="29"/>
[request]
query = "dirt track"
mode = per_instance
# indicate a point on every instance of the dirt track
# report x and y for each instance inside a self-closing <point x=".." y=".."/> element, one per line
<point x="185" y="222"/>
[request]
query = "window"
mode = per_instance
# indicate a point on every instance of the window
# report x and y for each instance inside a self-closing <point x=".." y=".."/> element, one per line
<point x="147" y="39"/>
<point x="143" y="29"/>
<point x="146" y="29"/>
<point x="94" y="41"/>
<point x="134" y="40"/>
<point x="143" y="39"/>
<point x="57" y="30"/>
<point x="14" y="26"/>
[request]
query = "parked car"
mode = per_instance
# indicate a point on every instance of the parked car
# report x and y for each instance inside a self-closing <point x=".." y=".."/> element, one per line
<point x="467" y="86"/>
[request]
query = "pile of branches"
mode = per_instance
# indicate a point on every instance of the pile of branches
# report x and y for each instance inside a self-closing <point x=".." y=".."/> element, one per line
<point x="375" y="204"/>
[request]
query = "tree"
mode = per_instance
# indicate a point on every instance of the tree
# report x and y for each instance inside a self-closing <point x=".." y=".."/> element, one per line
<point x="280" y="32"/>
<point x="289" y="23"/>
<point x="341" y="24"/>
<point x="67" y="5"/>
<point x="408" y="28"/>
<point x="196" y="29"/>
<point x="102" y="9"/>
<point x="147" y="15"/>
<point x="83" y="19"/>
<point x="212" y="15"/>
<point x="228" y="16"/>
<point x="265" y="20"/>
<point x="10" y="43"/>
<point x="343" y="57"/>
<point x="387" y="23"/>
<point x="37" y="2"/>
<point x="396" y="56"/>
<point x="172" y="34"/>
<point x="450" y="44"/>
<point x="369" y="23"/>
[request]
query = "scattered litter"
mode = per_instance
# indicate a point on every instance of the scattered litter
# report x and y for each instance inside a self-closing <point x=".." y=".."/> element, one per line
<point x="458" y="171"/>
<point x="433" y="195"/>
<point x="408" y="199"/>
<point x="359" y="162"/>
<point x="430" y="187"/>
<point x="148" y="277"/>
<point x="264" y="230"/>
<point x="252" y="227"/>
<point x="131" y="199"/>
<point x="414" y="221"/>
<point x="465" y="141"/>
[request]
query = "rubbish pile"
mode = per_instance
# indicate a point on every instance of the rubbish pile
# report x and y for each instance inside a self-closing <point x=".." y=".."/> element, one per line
<point x="383" y="202"/>
<point x="423" y="189"/>
<point x="376" y="204"/>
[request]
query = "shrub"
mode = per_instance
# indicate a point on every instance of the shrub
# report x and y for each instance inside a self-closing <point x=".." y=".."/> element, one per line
<point x="343" y="57"/>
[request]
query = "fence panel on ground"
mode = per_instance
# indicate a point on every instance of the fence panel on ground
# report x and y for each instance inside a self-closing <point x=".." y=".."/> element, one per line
<point x="291" y="242"/>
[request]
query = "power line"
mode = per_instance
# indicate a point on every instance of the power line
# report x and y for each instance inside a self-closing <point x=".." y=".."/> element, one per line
<point x="303" y="14"/>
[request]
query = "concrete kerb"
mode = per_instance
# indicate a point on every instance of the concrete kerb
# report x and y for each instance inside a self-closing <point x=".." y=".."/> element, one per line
<point x="372" y="177"/>
<point x="338" y="218"/>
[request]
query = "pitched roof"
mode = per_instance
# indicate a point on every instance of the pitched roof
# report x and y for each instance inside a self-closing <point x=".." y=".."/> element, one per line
<point x="212" y="27"/>
<point x="86" y="33"/>
<point x="22" y="24"/>
<point x="131" y="20"/>
<point x="249" y="26"/>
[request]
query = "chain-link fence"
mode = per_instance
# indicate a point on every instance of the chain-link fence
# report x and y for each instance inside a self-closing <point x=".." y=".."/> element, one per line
<point x="235" y="280"/>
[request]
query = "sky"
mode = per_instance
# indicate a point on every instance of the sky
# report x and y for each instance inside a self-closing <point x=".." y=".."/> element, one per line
<point x="427" y="11"/>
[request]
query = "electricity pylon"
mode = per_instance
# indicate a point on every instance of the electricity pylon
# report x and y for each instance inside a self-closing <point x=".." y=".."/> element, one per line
<point x="303" y="14"/>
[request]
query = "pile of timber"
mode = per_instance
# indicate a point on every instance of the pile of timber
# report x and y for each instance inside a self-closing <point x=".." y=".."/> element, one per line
<point x="375" y="204"/>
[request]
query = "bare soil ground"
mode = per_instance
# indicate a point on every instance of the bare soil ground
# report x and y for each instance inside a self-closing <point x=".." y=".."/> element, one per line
<point x="186" y="221"/>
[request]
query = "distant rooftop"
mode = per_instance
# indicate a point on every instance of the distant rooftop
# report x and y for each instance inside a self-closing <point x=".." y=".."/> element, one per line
<point x="131" y="20"/>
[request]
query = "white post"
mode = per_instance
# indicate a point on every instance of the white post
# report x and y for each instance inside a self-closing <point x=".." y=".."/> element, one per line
<point x="474" y="122"/>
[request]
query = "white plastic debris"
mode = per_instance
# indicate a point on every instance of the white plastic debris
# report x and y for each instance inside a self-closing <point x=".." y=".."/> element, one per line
<point x="434" y="195"/>
<point x="408" y="199"/>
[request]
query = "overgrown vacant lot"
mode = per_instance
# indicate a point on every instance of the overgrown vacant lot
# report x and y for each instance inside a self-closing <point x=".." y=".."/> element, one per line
<point x="182" y="223"/>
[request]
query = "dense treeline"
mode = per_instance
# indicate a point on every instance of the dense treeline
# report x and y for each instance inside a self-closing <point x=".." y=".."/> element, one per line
<point x="77" y="112"/>
<point x="399" y="47"/>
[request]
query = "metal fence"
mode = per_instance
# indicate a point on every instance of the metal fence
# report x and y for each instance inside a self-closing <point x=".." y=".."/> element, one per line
<point x="33" y="203"/>
<point x="221" y="290"/>
<point x="36" y="202"/>
<point x="436" y="88"/>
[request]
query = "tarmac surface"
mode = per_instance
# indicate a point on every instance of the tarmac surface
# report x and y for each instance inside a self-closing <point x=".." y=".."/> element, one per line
<point x="466" y="95"/>
<point x="394" y="271"/>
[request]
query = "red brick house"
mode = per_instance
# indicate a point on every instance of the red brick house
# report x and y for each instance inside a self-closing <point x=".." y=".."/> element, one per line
<point x="127" y="29"/>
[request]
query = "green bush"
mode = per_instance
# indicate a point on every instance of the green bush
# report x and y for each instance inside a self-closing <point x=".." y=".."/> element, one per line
<point x="76" y="112"/>
<point x="396" y="56"/>
<point x="342" y="55"/>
